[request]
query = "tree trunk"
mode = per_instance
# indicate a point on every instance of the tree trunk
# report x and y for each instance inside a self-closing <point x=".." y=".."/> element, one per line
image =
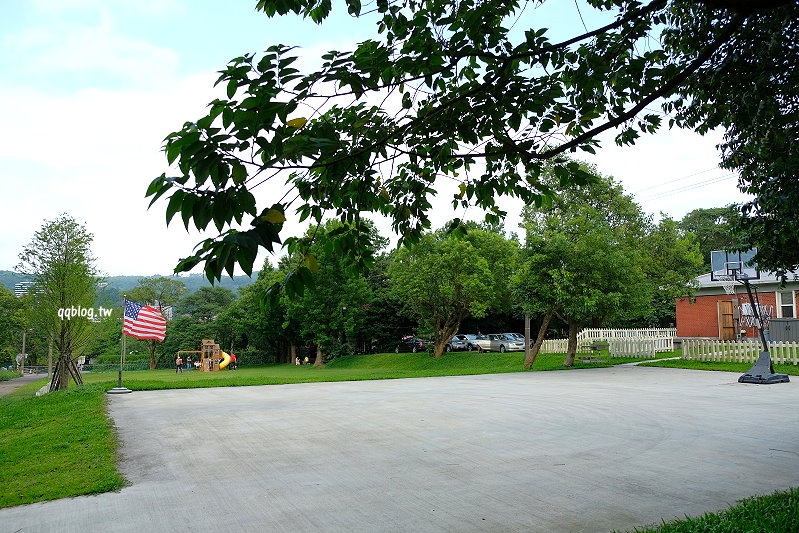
<point x="62" y="373"/>
<point x="292" y="353"/>
<point x="320" y="360"/>
<point x="448" y="331"/>
<point x="151" y="349"/>
<point x="65" y="371"/>
<point x="539" y="340"/>
<point x="571" y="350"/>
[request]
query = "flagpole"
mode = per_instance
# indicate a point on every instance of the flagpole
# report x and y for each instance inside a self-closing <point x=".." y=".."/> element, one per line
<point x="119" y="389"/>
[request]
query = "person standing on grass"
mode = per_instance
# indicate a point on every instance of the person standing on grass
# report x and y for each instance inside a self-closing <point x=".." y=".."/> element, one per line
<point x="233" y="362"/>
<point x="178" y="365"/>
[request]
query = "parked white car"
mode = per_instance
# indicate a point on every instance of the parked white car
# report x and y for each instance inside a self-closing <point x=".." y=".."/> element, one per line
<point x="498" y="342"/>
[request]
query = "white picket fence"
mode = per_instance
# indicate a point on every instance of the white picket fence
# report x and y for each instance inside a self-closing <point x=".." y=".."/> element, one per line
<point x="739" y="351"/>
<point x="560" y="346"/>
<point x="633" y="347"/>
<point x="622" y="342"/>
<point x="598" y="334"/>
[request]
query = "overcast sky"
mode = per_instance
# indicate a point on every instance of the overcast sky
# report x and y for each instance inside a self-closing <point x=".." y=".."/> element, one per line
<point x="89" y="89"/>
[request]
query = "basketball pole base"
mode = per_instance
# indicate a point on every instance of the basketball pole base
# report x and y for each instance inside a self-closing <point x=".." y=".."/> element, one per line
<point x="762" y="373"/>
<point x="119" y="390"/>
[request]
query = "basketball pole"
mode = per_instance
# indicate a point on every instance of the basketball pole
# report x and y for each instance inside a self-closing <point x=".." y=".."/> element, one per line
<point x="762" y="372"/>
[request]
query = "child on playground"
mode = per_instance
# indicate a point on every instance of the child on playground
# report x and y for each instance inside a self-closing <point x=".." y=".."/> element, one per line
<point x="178" y="365"/>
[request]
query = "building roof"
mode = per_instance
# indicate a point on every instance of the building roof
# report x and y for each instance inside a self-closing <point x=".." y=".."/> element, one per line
<point x="767" y="279"/>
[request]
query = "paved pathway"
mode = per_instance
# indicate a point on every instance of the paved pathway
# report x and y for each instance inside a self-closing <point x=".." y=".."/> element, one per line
<point x="9" y="386"/>
<point x="642" y="361"/>
<point x="575" y="451"/>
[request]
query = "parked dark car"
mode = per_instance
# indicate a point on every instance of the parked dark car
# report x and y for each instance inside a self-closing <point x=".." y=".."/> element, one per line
<point x="411" y="344"/>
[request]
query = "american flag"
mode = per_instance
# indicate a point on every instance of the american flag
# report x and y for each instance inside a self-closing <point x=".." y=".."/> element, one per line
<point x="143" y="322"/>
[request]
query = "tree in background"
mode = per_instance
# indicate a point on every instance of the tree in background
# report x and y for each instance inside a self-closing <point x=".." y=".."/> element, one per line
<point x="672" y="258"/>
<point x="13" y="321"/>
<point x="60" y="262"/>
<point x="713" y="228"/>
<point x="441" y="280"/>
<point x="162" y="294"/>
<point x="107" y="340"/>
<point x="466" y="82"/>
<point x="268" y="328"/>
<point x="206" y="303"/>
<point x="583" y="259"/>
<point x="384" y="322"/>
<point x="332" y="310"/>
<point x="750" y="89"/>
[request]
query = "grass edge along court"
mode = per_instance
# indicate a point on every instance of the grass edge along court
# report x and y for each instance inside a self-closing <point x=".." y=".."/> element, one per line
<point x="63" y="444"/>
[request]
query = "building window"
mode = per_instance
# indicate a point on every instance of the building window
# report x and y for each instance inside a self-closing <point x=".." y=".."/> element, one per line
<point x="786" y="305"/>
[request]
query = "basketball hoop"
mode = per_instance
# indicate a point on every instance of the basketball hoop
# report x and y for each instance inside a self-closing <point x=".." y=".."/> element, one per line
<point x="728" y="282"/>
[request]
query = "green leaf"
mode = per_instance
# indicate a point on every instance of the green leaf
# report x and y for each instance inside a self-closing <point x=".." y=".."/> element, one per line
<point x="312" y="263"/>
<point x="239" y="173"/>
<point x="232" y="85"/>
<point x="297" y="123"/>
<point x="175" y="202"/>
<point x="274" y="216"/>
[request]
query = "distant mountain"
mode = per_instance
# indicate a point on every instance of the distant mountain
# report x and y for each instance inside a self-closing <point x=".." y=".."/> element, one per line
<point x="119" y="284"/>
<point x="8" y="279"/>
<point x="192" y="281"/>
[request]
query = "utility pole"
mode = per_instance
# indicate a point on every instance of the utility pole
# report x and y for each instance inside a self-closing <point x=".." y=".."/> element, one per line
<point x="24" y="353"/>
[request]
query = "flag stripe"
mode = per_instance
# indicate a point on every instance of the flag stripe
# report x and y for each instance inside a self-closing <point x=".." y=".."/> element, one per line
<point x="143" y="322"/>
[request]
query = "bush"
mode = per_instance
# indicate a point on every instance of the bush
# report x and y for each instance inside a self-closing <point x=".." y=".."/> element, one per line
<point x="5" y="375"/>
<point x="253" y="356"/>
<point x="7" y="355"/>
<point x="338" y="350"/>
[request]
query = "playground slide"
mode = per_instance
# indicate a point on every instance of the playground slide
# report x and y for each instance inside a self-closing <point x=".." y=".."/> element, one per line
<point x="226" y="360"/>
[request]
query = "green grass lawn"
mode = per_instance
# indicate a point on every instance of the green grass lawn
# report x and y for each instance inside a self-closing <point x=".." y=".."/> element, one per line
<point x="55" y="446"/>
<point x="774" y="513"/>
<point x="740" y="368"/>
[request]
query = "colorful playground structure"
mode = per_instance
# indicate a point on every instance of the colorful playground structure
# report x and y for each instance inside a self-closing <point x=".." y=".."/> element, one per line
<point x="212" y="358"/>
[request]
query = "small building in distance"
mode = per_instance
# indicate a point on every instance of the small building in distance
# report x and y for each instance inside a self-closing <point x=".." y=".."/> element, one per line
<point x="22" y="288"/>
<point x="712" y="313"/>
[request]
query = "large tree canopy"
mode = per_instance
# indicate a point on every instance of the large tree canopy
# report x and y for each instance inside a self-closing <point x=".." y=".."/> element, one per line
<point x="585" y="259"/>
<point x="60" y="261"/>
<point x="462" y="90"/>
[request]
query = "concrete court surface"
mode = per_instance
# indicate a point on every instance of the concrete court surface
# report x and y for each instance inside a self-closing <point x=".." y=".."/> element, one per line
<point x="583" y="450"/>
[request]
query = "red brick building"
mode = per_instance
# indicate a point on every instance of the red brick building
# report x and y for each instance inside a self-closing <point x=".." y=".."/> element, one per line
<point x="715" y="314"/>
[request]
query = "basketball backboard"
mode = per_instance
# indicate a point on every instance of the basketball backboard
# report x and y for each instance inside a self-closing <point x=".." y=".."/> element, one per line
<point x="737" y="264"/>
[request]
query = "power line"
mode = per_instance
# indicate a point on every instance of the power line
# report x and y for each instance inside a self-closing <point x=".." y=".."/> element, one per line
<point x="675" y="180"/>
<point x="691" y="187"/>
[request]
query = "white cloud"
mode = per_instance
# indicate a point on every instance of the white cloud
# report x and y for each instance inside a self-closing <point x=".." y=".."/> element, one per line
<point x="92" y="154"/>
<point x="674" y="171"/>
<point x="96" y="52"/>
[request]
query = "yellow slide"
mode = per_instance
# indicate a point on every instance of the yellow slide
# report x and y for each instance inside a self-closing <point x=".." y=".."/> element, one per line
<point x="226" y="361"/>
